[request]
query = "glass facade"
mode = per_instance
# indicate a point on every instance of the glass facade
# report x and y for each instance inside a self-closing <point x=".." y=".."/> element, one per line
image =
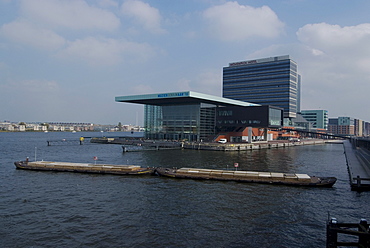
<point x="274" y="117"/>
<point x="271" y="81"/>
<point x="236" y="118"/>
<point x="318" y="118"/>
<point x="193" y="116"/>
<point x="191" y="122"/>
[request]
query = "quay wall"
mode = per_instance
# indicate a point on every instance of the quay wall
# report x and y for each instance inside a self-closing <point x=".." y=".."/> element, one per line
<point x="212" y="146"/>
<point x="248" y="146"/>
<point x="358" y="164"/>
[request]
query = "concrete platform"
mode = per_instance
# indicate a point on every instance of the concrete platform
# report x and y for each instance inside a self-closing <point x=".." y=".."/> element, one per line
<point x="358" y="162"/>
<point x="249" y="146"/>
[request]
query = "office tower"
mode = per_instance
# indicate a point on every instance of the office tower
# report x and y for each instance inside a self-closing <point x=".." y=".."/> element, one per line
<point x="267" y="81"/>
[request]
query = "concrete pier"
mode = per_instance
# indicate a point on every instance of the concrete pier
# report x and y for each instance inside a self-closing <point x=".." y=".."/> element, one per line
<point x="249" y="146"/>
<point x="358" y="162"/>
<point x="211" y="146"/>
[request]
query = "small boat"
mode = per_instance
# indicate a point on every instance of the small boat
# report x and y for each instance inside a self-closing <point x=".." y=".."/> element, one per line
<point x="248" y="176"/>
<point x="84" y="167"/>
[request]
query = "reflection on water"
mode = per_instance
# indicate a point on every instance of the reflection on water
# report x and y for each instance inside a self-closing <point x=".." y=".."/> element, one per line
<point x="50" y="209"/>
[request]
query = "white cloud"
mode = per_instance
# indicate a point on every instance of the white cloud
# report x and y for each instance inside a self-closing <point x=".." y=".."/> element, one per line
<point x="334" y="64"/>
<point x="24" y="32"/>
<point x="234" y="22"/>
<point x="105" y="51"/>
<point x="347" y="46"/>
<point x="334" y="38"/>
<point x="76" y="14"/>
<point x="146" y="15"/>
<point x="40" y="26"/>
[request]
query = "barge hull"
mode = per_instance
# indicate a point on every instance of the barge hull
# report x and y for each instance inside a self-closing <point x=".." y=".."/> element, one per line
<point x="248" y="177"/>
<point x="83" y="168"/>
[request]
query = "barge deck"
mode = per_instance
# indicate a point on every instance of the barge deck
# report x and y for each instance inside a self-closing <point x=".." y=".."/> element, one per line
<point x="248" y="176"/>
<point x="186" y="173"/>
<point x="84" y="167"/>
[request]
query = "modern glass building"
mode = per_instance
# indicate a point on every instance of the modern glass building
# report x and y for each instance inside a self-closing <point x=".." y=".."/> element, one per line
<point x="192" y="116"/>
<point x="178" y="122"/>
<point x="268" y="81"/>
<point x="318" y="118"/>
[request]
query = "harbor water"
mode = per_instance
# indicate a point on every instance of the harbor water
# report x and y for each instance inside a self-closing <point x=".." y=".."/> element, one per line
<point x="61" y="209"/>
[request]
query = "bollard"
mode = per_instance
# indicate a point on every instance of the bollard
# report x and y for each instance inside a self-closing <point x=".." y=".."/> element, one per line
<point x="331" y="235"/>
<point x="358" y="182"/>
<point x="363" y="241"/>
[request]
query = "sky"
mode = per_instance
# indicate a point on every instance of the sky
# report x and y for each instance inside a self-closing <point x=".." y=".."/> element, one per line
<point x="67" y="60"/>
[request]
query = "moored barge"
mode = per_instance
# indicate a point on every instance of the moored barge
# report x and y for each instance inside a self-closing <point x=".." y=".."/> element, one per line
<point x="248" y="176"/>
<point x="83" y="167"/>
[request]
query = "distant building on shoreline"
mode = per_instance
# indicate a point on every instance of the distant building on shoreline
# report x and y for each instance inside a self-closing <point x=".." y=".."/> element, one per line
<point x="349" y="126"/>
<point x="64" y="127"/>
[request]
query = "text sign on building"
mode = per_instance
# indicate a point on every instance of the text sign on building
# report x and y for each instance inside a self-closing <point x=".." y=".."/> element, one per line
<point x="225" y="113"/>
<point x="255" y="116"/>
<point x="173" y="94"/>
<point x="243" y="63"/>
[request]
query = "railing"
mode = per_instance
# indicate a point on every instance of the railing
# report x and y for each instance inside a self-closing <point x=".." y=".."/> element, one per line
<point x="361" y="230"/>
<point x="358" y="185"/>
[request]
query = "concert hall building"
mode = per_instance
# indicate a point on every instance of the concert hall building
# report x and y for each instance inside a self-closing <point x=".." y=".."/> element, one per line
<point x="198" y="117"/>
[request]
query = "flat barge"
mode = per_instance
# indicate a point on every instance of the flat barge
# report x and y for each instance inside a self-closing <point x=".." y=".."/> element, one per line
<point x="84" y="167"/>
<point x="248" y="176"/>
<point x="186" y="173"/>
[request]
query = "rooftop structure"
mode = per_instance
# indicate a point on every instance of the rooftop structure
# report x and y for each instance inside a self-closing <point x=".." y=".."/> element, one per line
<point x="185" y="97"/>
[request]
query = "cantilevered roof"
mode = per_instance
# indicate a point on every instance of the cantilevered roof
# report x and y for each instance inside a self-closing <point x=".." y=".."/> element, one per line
<point x="185" y="97"/>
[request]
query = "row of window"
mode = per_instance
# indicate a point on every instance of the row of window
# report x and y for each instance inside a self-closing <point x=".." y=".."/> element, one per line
<point x="246" y="80"/>
<point x="259" y="66"/>
<point x="261" y="84"/>
<point x="260" y="73"/>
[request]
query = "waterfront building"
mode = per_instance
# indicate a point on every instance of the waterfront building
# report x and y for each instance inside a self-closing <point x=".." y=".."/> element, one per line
<point x="342" y="126"/>
<point x="267" y="81"/>
<point x="358" y="127"/>
<point x="366" y="129"/>
<point x="318" y="118"/>
<point x="361" y="128"/>
<point x="195" y="116"/>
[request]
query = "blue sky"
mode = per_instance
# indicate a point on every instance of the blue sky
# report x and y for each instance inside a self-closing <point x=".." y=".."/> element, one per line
<point x="66" y="60"/>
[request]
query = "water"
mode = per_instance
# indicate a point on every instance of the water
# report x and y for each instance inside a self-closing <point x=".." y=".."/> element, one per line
<point x="51" y="209"/>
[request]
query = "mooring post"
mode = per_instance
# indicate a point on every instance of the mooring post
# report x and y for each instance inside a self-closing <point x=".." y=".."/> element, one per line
<point x="331" y="235"/>
<point x="363" y="241"/>
<point x="358" y="182"/>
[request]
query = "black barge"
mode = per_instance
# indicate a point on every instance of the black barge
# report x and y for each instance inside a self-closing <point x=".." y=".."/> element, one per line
<point x="248" y="176"/>
<point x="84" y="167"/>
